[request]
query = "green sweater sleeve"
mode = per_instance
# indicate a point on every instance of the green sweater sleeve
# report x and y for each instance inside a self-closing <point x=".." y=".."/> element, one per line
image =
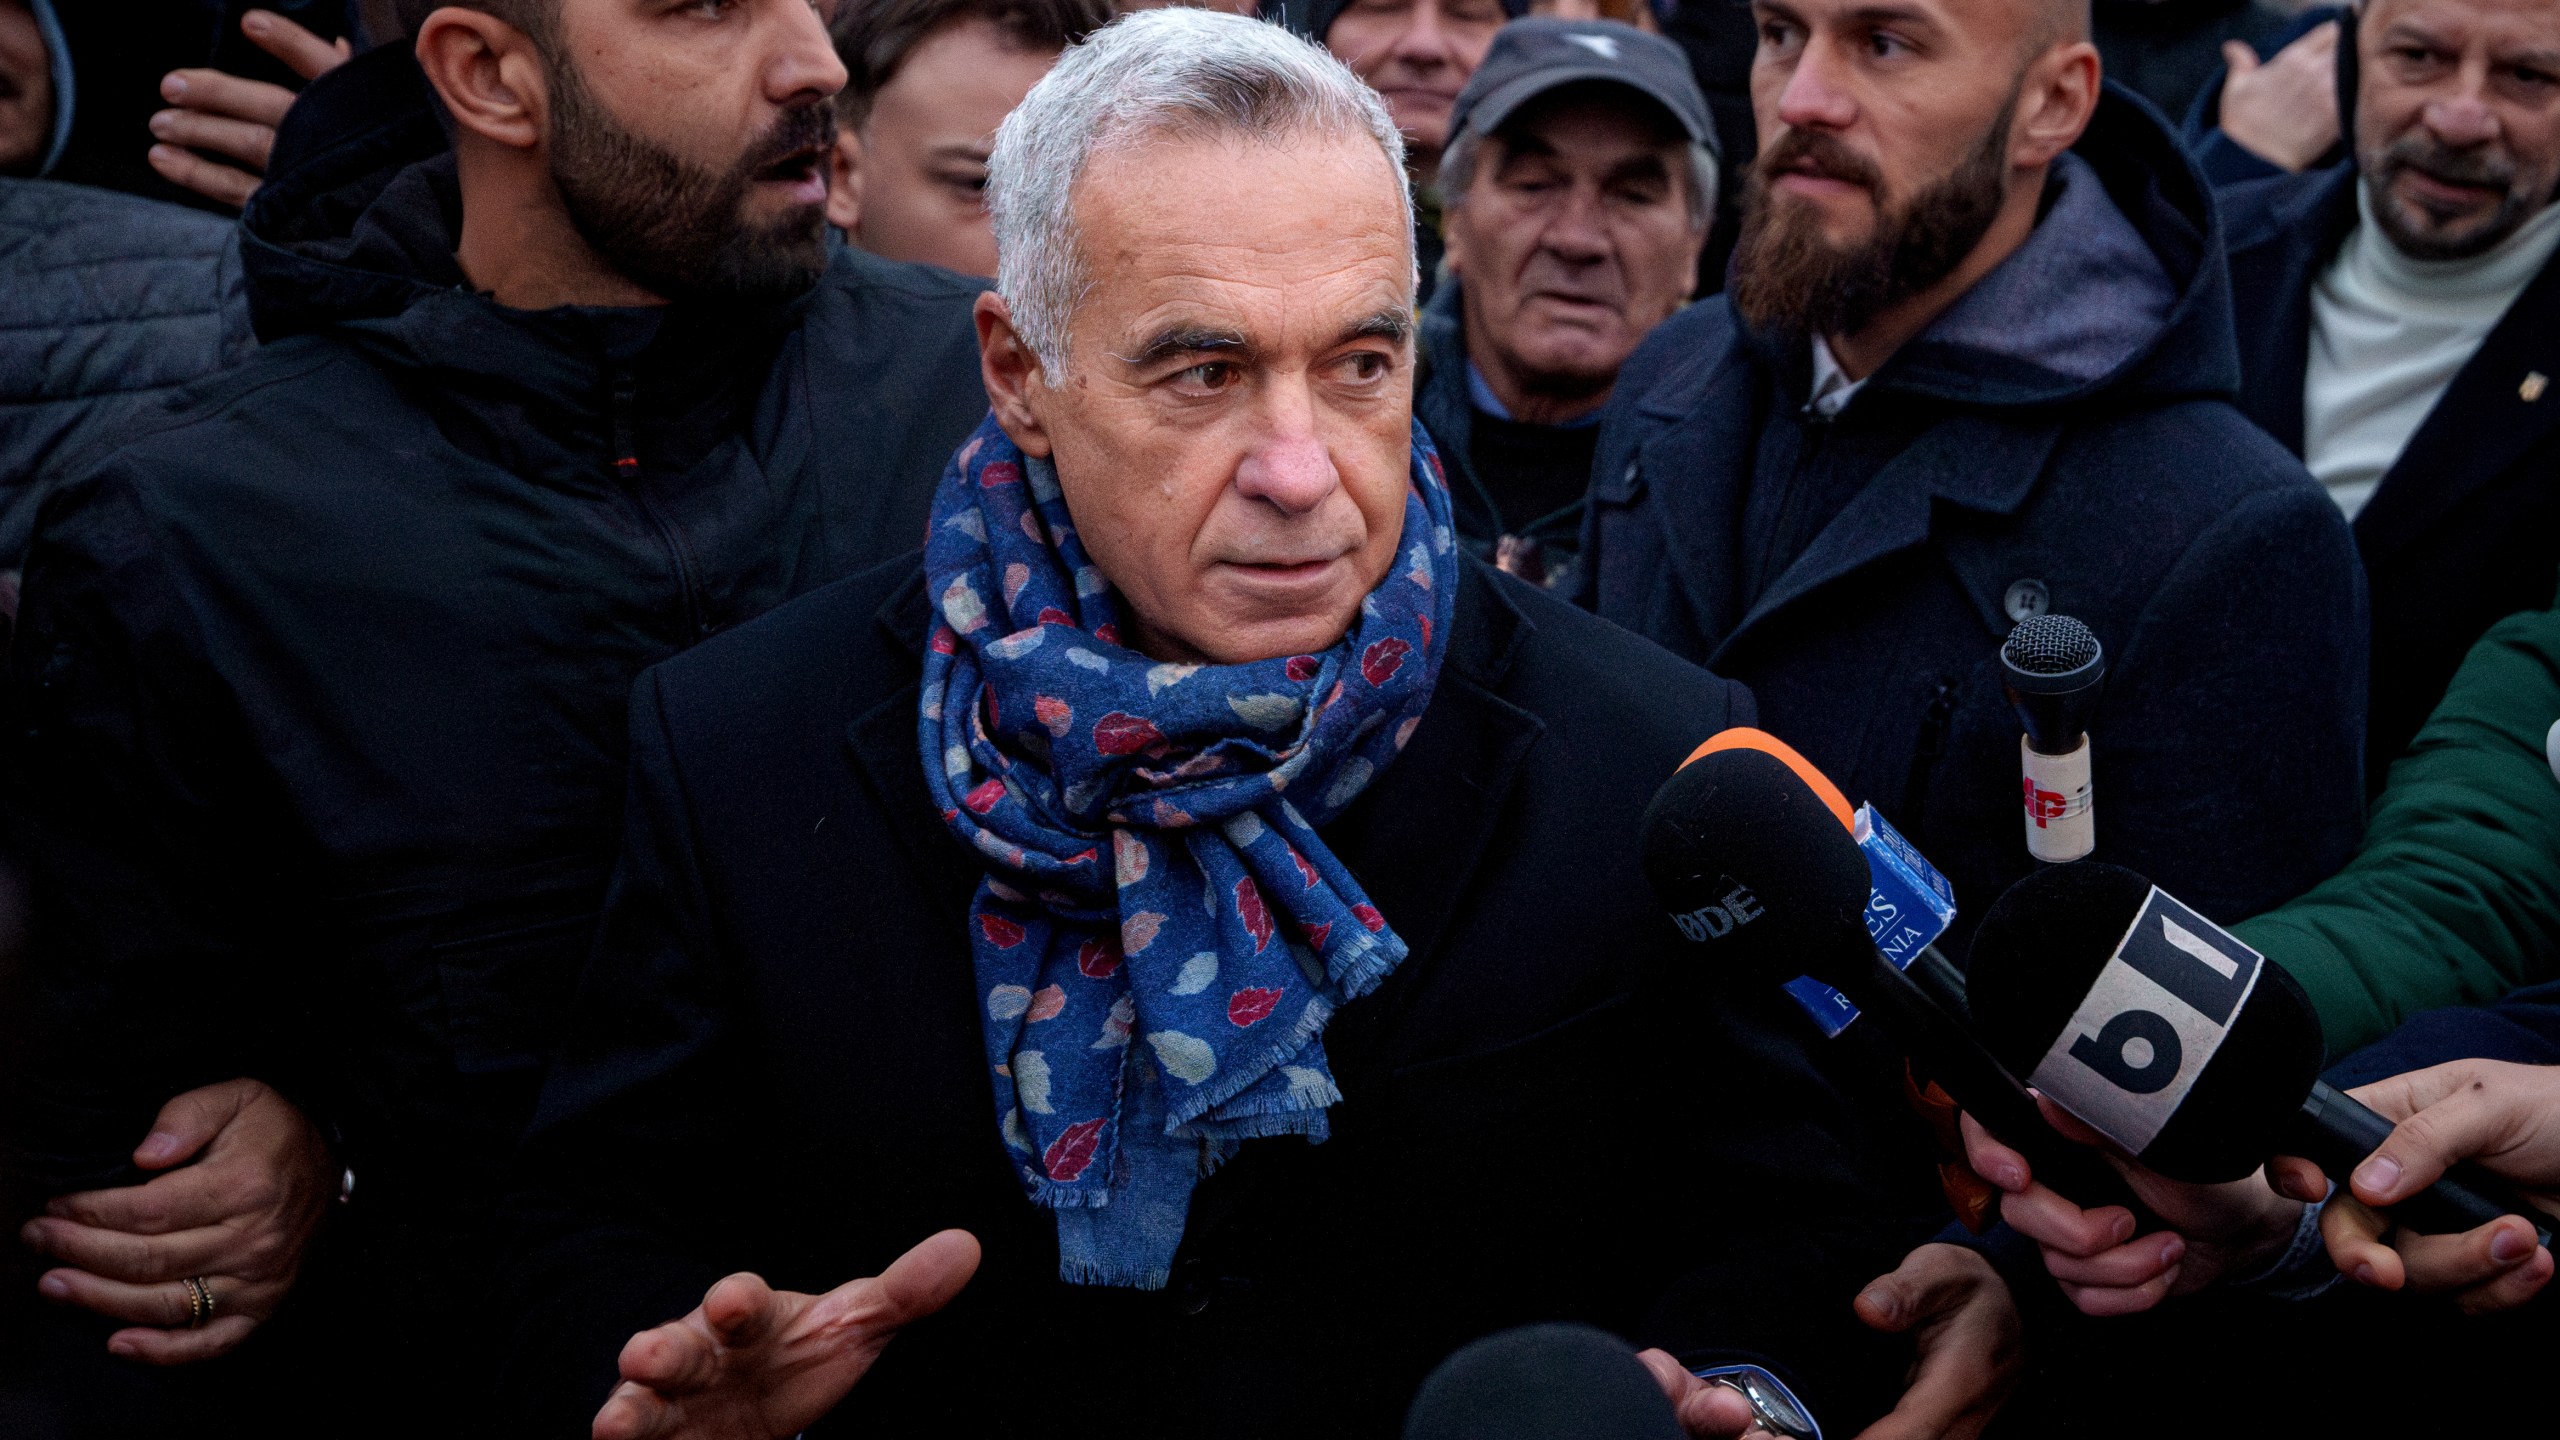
<point x="2454" y="896"/>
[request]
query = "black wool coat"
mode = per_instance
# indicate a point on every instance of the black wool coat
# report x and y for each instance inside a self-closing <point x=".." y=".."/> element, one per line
<point x="2219" y="578"/>
<point x="775" y="1064"/>
<point x="314" y="742"/>
<point x="2465" y="527"/>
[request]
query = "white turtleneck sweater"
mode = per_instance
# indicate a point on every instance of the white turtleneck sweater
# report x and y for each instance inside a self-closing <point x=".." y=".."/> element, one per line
<point x="2388" y="334"/>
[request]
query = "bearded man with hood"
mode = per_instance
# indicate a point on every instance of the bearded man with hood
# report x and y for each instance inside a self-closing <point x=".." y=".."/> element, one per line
<point x="1976" y="364"/>
<point x="315" y="728"/>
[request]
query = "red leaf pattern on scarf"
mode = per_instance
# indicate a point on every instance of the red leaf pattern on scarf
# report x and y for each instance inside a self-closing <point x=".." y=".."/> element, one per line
<point x="1368" y="915"/>
<point x="1097" y="959"/>
<point x="1249" y="908"/>
<point x="1252" y="1005"/>
<point x="1072" y="1151"/>
<point x="984" y="798"/>
<point x="1000" y="932"/>
<point x="1303" y="668"/>
<point x="1120" y="733"/>
<point x="1379" y="663"/>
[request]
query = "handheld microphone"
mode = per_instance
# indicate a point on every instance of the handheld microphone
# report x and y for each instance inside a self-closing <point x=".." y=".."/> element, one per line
<point x="1747" y="848"/>
<point x="2051" y="670"/>
<point x="2192" y="1051"/>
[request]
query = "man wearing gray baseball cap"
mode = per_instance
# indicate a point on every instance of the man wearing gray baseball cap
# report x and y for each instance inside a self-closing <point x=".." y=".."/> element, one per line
<point x="1579" y="183"/>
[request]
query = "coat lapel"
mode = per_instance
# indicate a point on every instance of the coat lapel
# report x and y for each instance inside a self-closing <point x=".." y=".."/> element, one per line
<point x="883" y="745"/>
<point x="1415" y="840"/>
<point x="2498" y="407"/>
<point x="2273" y="267"/>
<point x="1967" y="460"/>
<point x="1693" y="473"/>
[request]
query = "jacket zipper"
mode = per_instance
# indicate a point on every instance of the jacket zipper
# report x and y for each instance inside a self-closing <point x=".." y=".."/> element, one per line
<point x="626" y="468"/>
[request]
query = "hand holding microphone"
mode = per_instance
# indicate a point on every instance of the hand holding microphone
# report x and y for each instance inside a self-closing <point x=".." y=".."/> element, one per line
<point x="2191" y="1053"/>
<point x="2501" y="1117"/>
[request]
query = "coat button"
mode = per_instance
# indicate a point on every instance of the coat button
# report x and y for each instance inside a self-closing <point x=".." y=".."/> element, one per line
<point x="2026" y="599"/>
<point x="1191" y="1286"/>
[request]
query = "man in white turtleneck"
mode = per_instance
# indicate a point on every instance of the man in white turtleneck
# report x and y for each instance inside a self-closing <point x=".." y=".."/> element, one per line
<point x="2399" y="327"/>
<point x="2451" y="226"/>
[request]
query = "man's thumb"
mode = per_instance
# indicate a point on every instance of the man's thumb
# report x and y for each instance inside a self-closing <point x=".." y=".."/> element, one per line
<point x="189" y="1122"/>
<point x="1890" y="1303"/>
<point x="927" y="1277"/>
<point x="2238" y="55"/>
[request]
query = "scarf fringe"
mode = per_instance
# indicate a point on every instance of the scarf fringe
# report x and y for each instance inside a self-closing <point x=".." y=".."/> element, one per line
<point x="1235" y="1078"/>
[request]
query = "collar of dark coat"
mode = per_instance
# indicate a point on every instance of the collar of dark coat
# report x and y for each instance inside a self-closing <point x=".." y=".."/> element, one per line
<point x="1985" y="463"/>
<point x="1441" y="402"/>
<point x="1414" y="839"/>
<point x="353" y="235"/>
<point x="2284" y="230"/>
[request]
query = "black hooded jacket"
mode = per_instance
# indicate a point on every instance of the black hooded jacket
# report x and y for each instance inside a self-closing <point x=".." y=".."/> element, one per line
<point x="316" y="732"/>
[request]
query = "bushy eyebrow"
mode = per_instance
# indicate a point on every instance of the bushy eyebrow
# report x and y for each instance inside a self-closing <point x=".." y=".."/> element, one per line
<point x="1183" y="340"/>
<point x="1392" y="325"/>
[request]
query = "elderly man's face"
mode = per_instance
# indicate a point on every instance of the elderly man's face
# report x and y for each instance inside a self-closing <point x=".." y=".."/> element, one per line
<point x="1573" y="239"/>
<point x="1232" y="427"/>
<point x="921" y="161"/>
<point x="1418" y="55"/>
<point x="26" y="90"/>
<point x="2458" y="119"/>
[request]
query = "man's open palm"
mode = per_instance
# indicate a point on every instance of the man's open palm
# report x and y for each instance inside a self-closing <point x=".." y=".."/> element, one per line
<point x="756" y="1363"/>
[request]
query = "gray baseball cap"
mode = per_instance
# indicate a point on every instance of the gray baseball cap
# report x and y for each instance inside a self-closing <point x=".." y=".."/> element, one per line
<point x="1533" y="56"/>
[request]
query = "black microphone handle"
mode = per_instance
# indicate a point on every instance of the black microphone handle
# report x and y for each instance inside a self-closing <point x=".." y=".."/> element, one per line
<point x="2337" y="1132"/>
<point x="1934" y="1038"/>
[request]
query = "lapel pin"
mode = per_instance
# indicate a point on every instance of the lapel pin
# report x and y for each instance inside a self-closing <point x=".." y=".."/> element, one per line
<point x="2535" y="382"/>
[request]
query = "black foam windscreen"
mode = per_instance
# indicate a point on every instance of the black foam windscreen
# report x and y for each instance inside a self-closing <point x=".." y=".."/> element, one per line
<point x="1750" y="862"/>
<point x="2050" y="645"/>
<point x="2038" y="951"/>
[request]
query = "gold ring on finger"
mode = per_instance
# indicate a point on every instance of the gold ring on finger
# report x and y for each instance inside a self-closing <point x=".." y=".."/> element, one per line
<point x="199" y="1302"/>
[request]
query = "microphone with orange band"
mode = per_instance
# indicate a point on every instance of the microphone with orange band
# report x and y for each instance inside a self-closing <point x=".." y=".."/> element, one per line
<point x="1748" y="848"/>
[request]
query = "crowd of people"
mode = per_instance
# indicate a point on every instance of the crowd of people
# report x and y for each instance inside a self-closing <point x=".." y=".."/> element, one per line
<point x="529" y="905"/>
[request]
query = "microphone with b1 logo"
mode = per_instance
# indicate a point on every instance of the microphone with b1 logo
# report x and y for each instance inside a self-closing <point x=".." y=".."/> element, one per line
<point x="2051" y="669"/>
<point x="2165" y="1032"/>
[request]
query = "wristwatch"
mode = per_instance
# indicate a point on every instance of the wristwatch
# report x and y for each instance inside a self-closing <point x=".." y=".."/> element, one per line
<point x="1774" y="1407"/>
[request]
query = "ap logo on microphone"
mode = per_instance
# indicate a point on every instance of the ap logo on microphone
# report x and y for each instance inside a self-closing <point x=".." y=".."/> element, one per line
<point x="2146" y="1029"/>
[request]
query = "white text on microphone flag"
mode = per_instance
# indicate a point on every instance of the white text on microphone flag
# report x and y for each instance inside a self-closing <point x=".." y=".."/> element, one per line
<point x="2147" y="1028"/>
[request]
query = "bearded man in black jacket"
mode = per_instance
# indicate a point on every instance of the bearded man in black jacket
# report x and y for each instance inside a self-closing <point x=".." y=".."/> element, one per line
<point x="317" y="697"/>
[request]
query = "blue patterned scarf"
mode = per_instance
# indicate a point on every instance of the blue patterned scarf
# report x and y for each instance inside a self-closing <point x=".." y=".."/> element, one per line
<point x="1161" y="935"/>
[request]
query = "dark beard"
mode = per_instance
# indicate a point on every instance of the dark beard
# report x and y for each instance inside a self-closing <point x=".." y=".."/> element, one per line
<point x="1789" y="281"/>
<point x="675" y="227"/>
<point x="2418" y="151"/>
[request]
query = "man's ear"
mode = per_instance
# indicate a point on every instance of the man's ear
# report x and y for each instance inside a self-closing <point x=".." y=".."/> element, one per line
<point x="489" y="74"/>
<point x="844" y="181"/>
<point x="1015" y="385"/>
<point x="2054" y="106"/>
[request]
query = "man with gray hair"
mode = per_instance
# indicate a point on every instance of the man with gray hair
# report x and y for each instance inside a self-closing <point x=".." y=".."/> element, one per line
<point x="1578" y="186"/>
<point x="1006" y="926"/>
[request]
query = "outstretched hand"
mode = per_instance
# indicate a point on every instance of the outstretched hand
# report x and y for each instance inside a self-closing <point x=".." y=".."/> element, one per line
<point x="232" y="117"/>
<point x="755" y="1363"/>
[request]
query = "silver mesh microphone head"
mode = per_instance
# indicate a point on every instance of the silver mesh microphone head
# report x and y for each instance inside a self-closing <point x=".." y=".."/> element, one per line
<point x="2050" y="645"/>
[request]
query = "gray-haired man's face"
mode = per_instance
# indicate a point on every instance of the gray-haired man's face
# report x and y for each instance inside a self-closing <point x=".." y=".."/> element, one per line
<point x="1232" y="424"/>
